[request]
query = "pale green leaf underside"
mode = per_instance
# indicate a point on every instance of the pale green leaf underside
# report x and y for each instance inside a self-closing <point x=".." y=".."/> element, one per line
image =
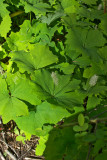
<point x="38" y="57"/>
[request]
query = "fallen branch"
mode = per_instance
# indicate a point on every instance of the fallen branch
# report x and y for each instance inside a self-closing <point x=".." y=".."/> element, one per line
<point x="1" y="156"/>
<point x="22" y="156"/>
<point x="8" y="146"/>
<point x="11" y="155"/>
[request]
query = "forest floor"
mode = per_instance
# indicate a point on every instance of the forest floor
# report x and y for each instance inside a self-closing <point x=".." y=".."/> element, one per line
<point x="10" y="149"/>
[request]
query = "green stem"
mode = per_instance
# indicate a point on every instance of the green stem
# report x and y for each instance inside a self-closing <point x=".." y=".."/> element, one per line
<point x="97" y="120"/>
<point x="104" y="6"/>
<point x="30" y="17"/>
<point x="68" y="125"/>
<point x="16" y="14"/>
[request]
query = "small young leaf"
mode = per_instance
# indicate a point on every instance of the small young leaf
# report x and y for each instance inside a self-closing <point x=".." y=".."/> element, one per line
<point x="77" y="128"/>
<point x="84" y="127"/>
<point x="81" y="119"/>
<point x="80" y="134"/>
<point x="20" y="138"/>
<point x="41" y="147"/>
<point x="90" y="138"/>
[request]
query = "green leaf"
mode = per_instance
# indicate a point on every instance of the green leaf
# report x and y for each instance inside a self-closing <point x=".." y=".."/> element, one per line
<point x="61" y="141"/>
<point x="64" y="144"/>
<point x="41" y="146"/>
<point x="21" y="39"/>
<point x="13" y="2"/>
<point x="77" y="128"/>
<point x="98" y="145"/>
<point x="10" y="106"/>
<point x="81" y="119"/>
<point x="90" y="138"/>
<point x="95" y="69"/>
<point x="103" y="24"/>
<point x="89" y="2"/>
<point x="75" y="40"/>
<point x="102" y="156"/>
<point x="52" y="17"/>
<point x="53" y="70"/>
<point x="45" y="114"/>
<point x="57" y="88"/>
<point x="52" y="2"/>
<point x="84" y="127"/>
<point x="70" y="6"/>
<point x="91" y="39"/>
<point x="35" y="6"/>
<point x="93" y="102"/>
<point x="21" y="138"/>
<point x="97" y="89"/>
<point x="30" y="34"/>
<point x="5" y="26"/>
<point x="65" y="67"/>
<point x="6" y="20"/>
<point x="80" y="134"/>
<point x="83" y="41"/>
<point x="100" y="133"/>
<point x="39" y="56"/>
<point x="83" y="61"/>
<point x="22" y="88"/>
<point x="103" y="52"/>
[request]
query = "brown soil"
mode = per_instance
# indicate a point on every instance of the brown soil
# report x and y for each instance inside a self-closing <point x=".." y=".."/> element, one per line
<point x="10" y="149"/>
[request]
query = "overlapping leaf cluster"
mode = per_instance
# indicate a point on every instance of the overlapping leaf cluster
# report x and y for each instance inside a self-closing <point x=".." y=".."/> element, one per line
<point x="52" y="69"/>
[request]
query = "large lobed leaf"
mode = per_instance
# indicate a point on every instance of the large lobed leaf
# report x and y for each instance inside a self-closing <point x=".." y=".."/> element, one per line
<point x="58" y="89"/>
<point x="35" y="6"/>
<point x="83" y="41"/>
<point x="22" y="88"/>
<point x="39" y="56"/>
<point x="10" y="106"/>
<point x="13" y="92"/>
<point x="45" y="114"/>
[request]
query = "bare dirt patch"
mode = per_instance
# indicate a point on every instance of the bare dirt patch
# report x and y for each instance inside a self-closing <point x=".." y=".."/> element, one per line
<point x="10" y="149"/>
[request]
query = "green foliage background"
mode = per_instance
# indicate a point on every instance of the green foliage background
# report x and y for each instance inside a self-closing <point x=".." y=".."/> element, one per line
<point x="53" y="69"/>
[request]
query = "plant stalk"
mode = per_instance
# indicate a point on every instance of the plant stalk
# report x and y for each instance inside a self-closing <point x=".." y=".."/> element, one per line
<point x="16" y="14"/>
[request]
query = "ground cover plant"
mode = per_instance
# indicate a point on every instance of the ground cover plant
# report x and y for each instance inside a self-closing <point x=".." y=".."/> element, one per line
<point x="53" y="72"/>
